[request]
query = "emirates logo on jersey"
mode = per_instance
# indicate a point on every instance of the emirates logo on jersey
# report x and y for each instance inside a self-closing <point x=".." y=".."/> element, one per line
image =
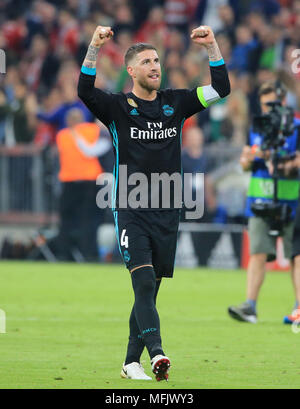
<point x="155" y="131"/>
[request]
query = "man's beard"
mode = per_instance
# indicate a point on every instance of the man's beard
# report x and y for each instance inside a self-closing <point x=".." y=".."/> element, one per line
<point x="148" y="87"/>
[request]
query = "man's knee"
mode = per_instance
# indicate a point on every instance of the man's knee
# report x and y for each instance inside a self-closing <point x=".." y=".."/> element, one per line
<point x="138" y="267"/>
<point x="257" y="262"/>
<point x="258" y="258"/>
<point x="143" y="280"/>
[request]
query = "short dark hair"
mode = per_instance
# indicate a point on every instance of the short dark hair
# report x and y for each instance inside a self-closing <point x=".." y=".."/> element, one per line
<point x="269" y="87"/>
<point x="136" y="49"/>
<point x="266" y="88"/>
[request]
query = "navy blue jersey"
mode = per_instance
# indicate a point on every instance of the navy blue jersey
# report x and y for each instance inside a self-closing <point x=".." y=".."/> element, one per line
<point x="147" y="134"/>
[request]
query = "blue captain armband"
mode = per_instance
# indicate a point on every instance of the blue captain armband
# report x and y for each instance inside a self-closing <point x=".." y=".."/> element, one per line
<point x="88" y="71"/>
<point x="217" y="63"/>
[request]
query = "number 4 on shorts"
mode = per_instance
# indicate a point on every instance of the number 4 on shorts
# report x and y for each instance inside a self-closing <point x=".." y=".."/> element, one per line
<point x="124" y="239"/>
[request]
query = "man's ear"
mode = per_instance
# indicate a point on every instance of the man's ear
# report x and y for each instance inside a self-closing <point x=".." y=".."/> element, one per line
<point x="130" y="71"/>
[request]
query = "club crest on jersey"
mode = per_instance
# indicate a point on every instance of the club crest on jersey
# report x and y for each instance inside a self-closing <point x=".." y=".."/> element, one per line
<point x="126" y="256"/>
<point x="168" y="111"/>
<point x="134" y="112"/>
<point x="132" y="102"/>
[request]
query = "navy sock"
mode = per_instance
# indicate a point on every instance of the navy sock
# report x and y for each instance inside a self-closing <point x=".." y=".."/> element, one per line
<point x="136" y="344"/>
<point x="145" y="286"/>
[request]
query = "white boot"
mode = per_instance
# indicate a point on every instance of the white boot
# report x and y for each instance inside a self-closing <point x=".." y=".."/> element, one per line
<point x="134" y="371"/>
<point x="160" y="367"/>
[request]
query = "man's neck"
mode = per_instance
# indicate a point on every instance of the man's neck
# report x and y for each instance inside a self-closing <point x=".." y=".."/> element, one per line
<point x="143" y="93"/>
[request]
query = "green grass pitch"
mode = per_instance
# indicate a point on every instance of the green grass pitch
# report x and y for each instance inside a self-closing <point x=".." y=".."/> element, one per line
<point x="67" y="327"/>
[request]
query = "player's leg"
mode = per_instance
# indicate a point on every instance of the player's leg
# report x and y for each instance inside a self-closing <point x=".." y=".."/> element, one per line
<point x="157" y="286"/>
<point x="164" y="231"/>
<point x="255" y="275"/>
<point x="135" y="247"/>
<point x="136" y="344"/>
<point x="145" y="289"/>
<point x="246" y="311"/>
<point x="262" y="246"/>
<point x="144" y="286"/>
<point x="295" y="275"/>
<point x="296" y="279"/>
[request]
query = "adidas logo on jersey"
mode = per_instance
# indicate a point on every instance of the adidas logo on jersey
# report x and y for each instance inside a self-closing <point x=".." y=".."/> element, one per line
<point x="134" y="112"/>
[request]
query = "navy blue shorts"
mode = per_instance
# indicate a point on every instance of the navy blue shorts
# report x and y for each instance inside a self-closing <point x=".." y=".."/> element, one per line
<point x="148" y="237"/>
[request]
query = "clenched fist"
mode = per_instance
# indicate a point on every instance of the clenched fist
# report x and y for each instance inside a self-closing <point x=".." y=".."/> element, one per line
<point x="203" y="35"/>
<point x="101" y="36"/>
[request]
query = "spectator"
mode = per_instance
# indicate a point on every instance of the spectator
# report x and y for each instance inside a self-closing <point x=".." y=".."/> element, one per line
<point x="178" y="13"/>
<point x="177" y="79"/>
<point x="58" y="117"/>
<point x="20" y="122"/>
<point x="38" y="66"/>
<point x="226" y="15"/>
<point x="68" y="33"/>
<point x="79" y="215"/>
<point x="194" y="161"/>
<point x="235" y="127"/>
<point x="269" y="8"/>
<point x="123" y="18"/>
<point x="193" y="68"/>
<point x="154" y="23"/>
<point x="225" y="45"/>
<point x="40" y="20"/>
<point x="193" y="158"/>
<point x="208" y="13"/>
<point x="241" y="52"/>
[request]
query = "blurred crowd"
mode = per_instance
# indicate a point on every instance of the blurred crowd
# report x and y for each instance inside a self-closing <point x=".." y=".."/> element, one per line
<point x="46" y="41"/>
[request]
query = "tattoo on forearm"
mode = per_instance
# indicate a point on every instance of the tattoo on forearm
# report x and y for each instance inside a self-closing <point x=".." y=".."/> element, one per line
<point x="92" y="53"/>
<point x="91" y="57"/>
<point x="214" y="53"/>
<point x="89" y="64"/>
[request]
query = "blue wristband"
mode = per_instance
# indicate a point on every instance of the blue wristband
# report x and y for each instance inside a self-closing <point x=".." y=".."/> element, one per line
<point x="216" y="63"/>
<point x="88" y="71"/>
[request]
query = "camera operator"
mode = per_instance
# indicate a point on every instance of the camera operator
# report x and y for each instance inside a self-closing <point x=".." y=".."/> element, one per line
<point x="275" y="189"/>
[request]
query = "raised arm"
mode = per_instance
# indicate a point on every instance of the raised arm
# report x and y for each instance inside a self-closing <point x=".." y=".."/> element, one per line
<point x="220" y="85"/>
<point x="95" y="99"/>
<point x="101" y="36"/>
